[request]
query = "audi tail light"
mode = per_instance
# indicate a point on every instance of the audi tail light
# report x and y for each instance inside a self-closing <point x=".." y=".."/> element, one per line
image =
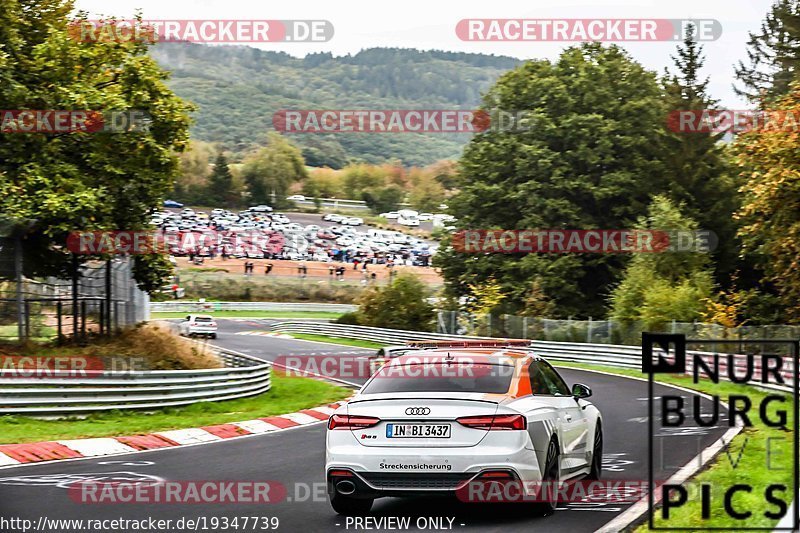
<point x="340" y="473"/>
<point x="352" y="422"/>
<point x="494" y="422"/>
<point x="496" y="475"/>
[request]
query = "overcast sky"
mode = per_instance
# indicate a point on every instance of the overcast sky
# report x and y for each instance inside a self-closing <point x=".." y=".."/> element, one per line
<point x="430" y="24"/>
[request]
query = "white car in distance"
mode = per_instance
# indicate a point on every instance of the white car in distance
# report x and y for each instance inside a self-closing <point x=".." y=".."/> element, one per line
<point x="198" y="326"/>
<point x="408" y="217"/>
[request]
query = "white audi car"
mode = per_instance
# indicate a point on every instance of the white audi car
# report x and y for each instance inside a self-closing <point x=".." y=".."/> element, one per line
<point x="439" y="419"/>
<point x="198" y="325"/>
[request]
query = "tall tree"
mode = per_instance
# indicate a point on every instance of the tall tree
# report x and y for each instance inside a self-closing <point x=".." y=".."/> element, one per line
<point x="697" y="166"/>
<point x="81" y="180"/>
<point x="773" y="55"/>
<point x="220" y="183"/>
<point x="270" y="171"/>
<point x="589" y="157"/>
<point x="195" y="167"/>
<point x="671" y="285"/>
<point x="769" y="161"/>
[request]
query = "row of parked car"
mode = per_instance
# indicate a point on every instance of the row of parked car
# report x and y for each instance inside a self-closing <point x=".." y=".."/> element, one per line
<point x="259" y="232"/>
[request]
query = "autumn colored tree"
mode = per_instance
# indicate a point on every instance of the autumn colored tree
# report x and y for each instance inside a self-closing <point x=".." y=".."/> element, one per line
<point x="769" y="159"/>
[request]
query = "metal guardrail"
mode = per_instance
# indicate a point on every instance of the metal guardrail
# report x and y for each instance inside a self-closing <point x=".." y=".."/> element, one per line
<point x="340" y="203"/>
<point x="208" y="307"/>
<point x="63" y="393"/>
<point x="599" y="354"/>
<point x="389" y="336"/>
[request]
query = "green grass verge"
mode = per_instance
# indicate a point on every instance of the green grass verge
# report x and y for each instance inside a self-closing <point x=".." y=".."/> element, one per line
<point x="38" y="333"/>
<point x="251" y="314"/>
<point x="288" y="394"/>
<point x="337" y="340"/>
<point x="766" y="459"/>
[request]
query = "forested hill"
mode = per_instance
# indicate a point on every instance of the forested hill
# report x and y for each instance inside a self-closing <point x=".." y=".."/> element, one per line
<point x="238" y="88"/>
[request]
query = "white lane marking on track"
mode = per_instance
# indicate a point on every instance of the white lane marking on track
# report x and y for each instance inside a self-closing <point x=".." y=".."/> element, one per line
<point x="189" y="436"/>
<point x="258" y="333"/>
<point x="256" y="426"/>
<point x="300" y="418"/>
<point x="613" y="462"/>
<point x="5" y="460"/>
<point x="97" y="447"/>
<point x="65" y="481"/>
<point x="126" y="463"/>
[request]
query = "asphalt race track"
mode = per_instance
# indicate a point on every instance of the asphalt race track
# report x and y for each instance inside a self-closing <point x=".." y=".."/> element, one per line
<point x="295" y="458"/>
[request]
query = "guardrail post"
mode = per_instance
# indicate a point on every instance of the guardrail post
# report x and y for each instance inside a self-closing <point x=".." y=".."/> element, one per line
<point x="524" y="327"/>
<point x="75" y="274"/>
<point x="107" y="327"/>
<point x="589" y="331"/>
<point x="27" y="320"/>
<point x="21" y="318"/>
<point x="83" y="319"/>
<point x="59" y="309"/>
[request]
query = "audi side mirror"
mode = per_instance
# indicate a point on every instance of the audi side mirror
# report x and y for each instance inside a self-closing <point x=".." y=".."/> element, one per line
<point x="579" y="390"/>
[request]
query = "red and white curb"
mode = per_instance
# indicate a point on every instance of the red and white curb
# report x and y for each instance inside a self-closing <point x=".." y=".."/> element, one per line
<point x="262" y="333"/>
<point x="34" y="452"/>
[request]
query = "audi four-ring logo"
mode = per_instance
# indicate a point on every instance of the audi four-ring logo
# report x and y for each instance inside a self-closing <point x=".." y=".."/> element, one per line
<point x="418" y="411"/>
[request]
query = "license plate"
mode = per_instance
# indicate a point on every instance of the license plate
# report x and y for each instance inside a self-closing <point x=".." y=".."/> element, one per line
<point x="418" y="431"/>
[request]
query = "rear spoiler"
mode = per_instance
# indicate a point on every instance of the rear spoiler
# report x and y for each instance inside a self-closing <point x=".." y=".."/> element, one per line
<point x="489" y="343"/>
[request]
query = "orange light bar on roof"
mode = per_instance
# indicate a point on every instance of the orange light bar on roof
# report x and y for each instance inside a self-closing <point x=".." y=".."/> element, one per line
<point x="499" y="343"/>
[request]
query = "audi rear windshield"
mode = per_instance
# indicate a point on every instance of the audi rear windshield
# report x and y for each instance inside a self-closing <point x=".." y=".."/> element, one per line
<point x="441" y="377"/>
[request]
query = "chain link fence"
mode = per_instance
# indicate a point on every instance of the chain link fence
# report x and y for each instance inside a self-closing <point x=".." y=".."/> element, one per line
<point x="102" y="298"/>
<point x="598" y="331"/>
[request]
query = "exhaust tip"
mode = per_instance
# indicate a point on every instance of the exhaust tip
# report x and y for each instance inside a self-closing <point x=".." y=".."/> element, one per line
<point x="346" y="488"/>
